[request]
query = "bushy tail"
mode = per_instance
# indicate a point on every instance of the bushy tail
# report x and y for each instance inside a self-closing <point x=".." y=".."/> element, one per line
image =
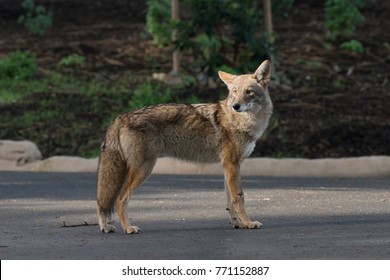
<point x="111" y="175"/>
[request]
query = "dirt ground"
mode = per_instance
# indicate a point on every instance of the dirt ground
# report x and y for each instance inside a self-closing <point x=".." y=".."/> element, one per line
<point x="328" y="102"/>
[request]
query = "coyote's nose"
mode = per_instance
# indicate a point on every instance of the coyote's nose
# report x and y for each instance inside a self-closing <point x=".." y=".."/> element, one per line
<point x="236" y="106"/>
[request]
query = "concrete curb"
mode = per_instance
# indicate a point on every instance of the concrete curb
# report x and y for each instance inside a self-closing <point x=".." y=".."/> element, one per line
<point x="371" y="166"/>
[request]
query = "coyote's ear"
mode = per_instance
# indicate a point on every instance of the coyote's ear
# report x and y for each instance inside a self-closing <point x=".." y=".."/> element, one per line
<point x="263" y="73"/>
<point x="226" y="77"/>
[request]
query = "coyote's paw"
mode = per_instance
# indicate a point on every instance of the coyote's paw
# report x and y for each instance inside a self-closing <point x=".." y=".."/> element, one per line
<point x="132" y="230"/>
<point x="250" y="225"/>
<point x="108" y="229"/>
<point x="255" y="224"/>
<point x="237" y="224"/>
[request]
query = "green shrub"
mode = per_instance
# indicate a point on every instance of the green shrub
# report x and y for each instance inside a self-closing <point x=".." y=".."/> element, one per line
<point x="215" y="32"/>
<point x="71" y="60"/>
<point x="37" y="20"/>
<point x="353" y="46"/>
<point x="148" y="94"/>
<point x="158" y="23"/>
<point x="342" y="16"/>
<point x="18" y="65"/>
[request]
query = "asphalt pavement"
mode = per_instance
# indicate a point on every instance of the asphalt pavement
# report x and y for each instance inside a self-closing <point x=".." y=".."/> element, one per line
<point x="53" y="216"/>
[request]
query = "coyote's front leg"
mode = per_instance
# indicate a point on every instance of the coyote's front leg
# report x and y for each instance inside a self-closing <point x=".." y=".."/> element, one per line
<point x="235" y="198"/>
<point x="230" y="208"/>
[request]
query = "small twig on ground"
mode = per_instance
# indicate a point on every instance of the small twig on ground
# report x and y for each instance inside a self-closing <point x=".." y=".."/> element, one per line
<point x="79" y="225"/>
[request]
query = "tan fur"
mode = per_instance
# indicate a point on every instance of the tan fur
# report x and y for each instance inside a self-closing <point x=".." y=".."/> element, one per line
<point x="225" y="131"/>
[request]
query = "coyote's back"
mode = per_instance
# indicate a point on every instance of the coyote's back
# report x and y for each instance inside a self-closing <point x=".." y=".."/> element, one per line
<point x="225" y="131"/>
<point x="173" y="129"/>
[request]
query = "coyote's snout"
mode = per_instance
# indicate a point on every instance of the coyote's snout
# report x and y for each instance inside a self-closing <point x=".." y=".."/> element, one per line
<point x="225" y="131"/>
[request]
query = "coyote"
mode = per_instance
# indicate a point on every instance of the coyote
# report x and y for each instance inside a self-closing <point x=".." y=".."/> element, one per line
<point x="225" y="131"/>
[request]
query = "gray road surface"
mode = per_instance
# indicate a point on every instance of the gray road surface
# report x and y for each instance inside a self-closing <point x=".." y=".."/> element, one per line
<point x="184" y="217"/>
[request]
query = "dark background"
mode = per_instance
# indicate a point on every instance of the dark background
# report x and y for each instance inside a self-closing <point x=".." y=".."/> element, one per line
<point x="330" y="102"/>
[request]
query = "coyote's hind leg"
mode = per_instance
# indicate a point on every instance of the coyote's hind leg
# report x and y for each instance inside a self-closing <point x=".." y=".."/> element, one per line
<point x="135" y="177"/>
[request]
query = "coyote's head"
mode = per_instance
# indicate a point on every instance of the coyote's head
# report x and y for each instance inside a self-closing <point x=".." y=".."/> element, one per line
<point x="249" y="93"/>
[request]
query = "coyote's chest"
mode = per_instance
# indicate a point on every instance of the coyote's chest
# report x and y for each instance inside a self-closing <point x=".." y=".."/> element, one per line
<point x="247" y="129"/>
<point x="248" y="149"/>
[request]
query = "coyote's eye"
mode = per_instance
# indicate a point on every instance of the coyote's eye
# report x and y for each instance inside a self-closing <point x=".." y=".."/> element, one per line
<point x="249" y="91"/>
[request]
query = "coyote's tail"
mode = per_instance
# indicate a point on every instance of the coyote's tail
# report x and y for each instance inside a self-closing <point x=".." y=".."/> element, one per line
<point x="111" y="175"/>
